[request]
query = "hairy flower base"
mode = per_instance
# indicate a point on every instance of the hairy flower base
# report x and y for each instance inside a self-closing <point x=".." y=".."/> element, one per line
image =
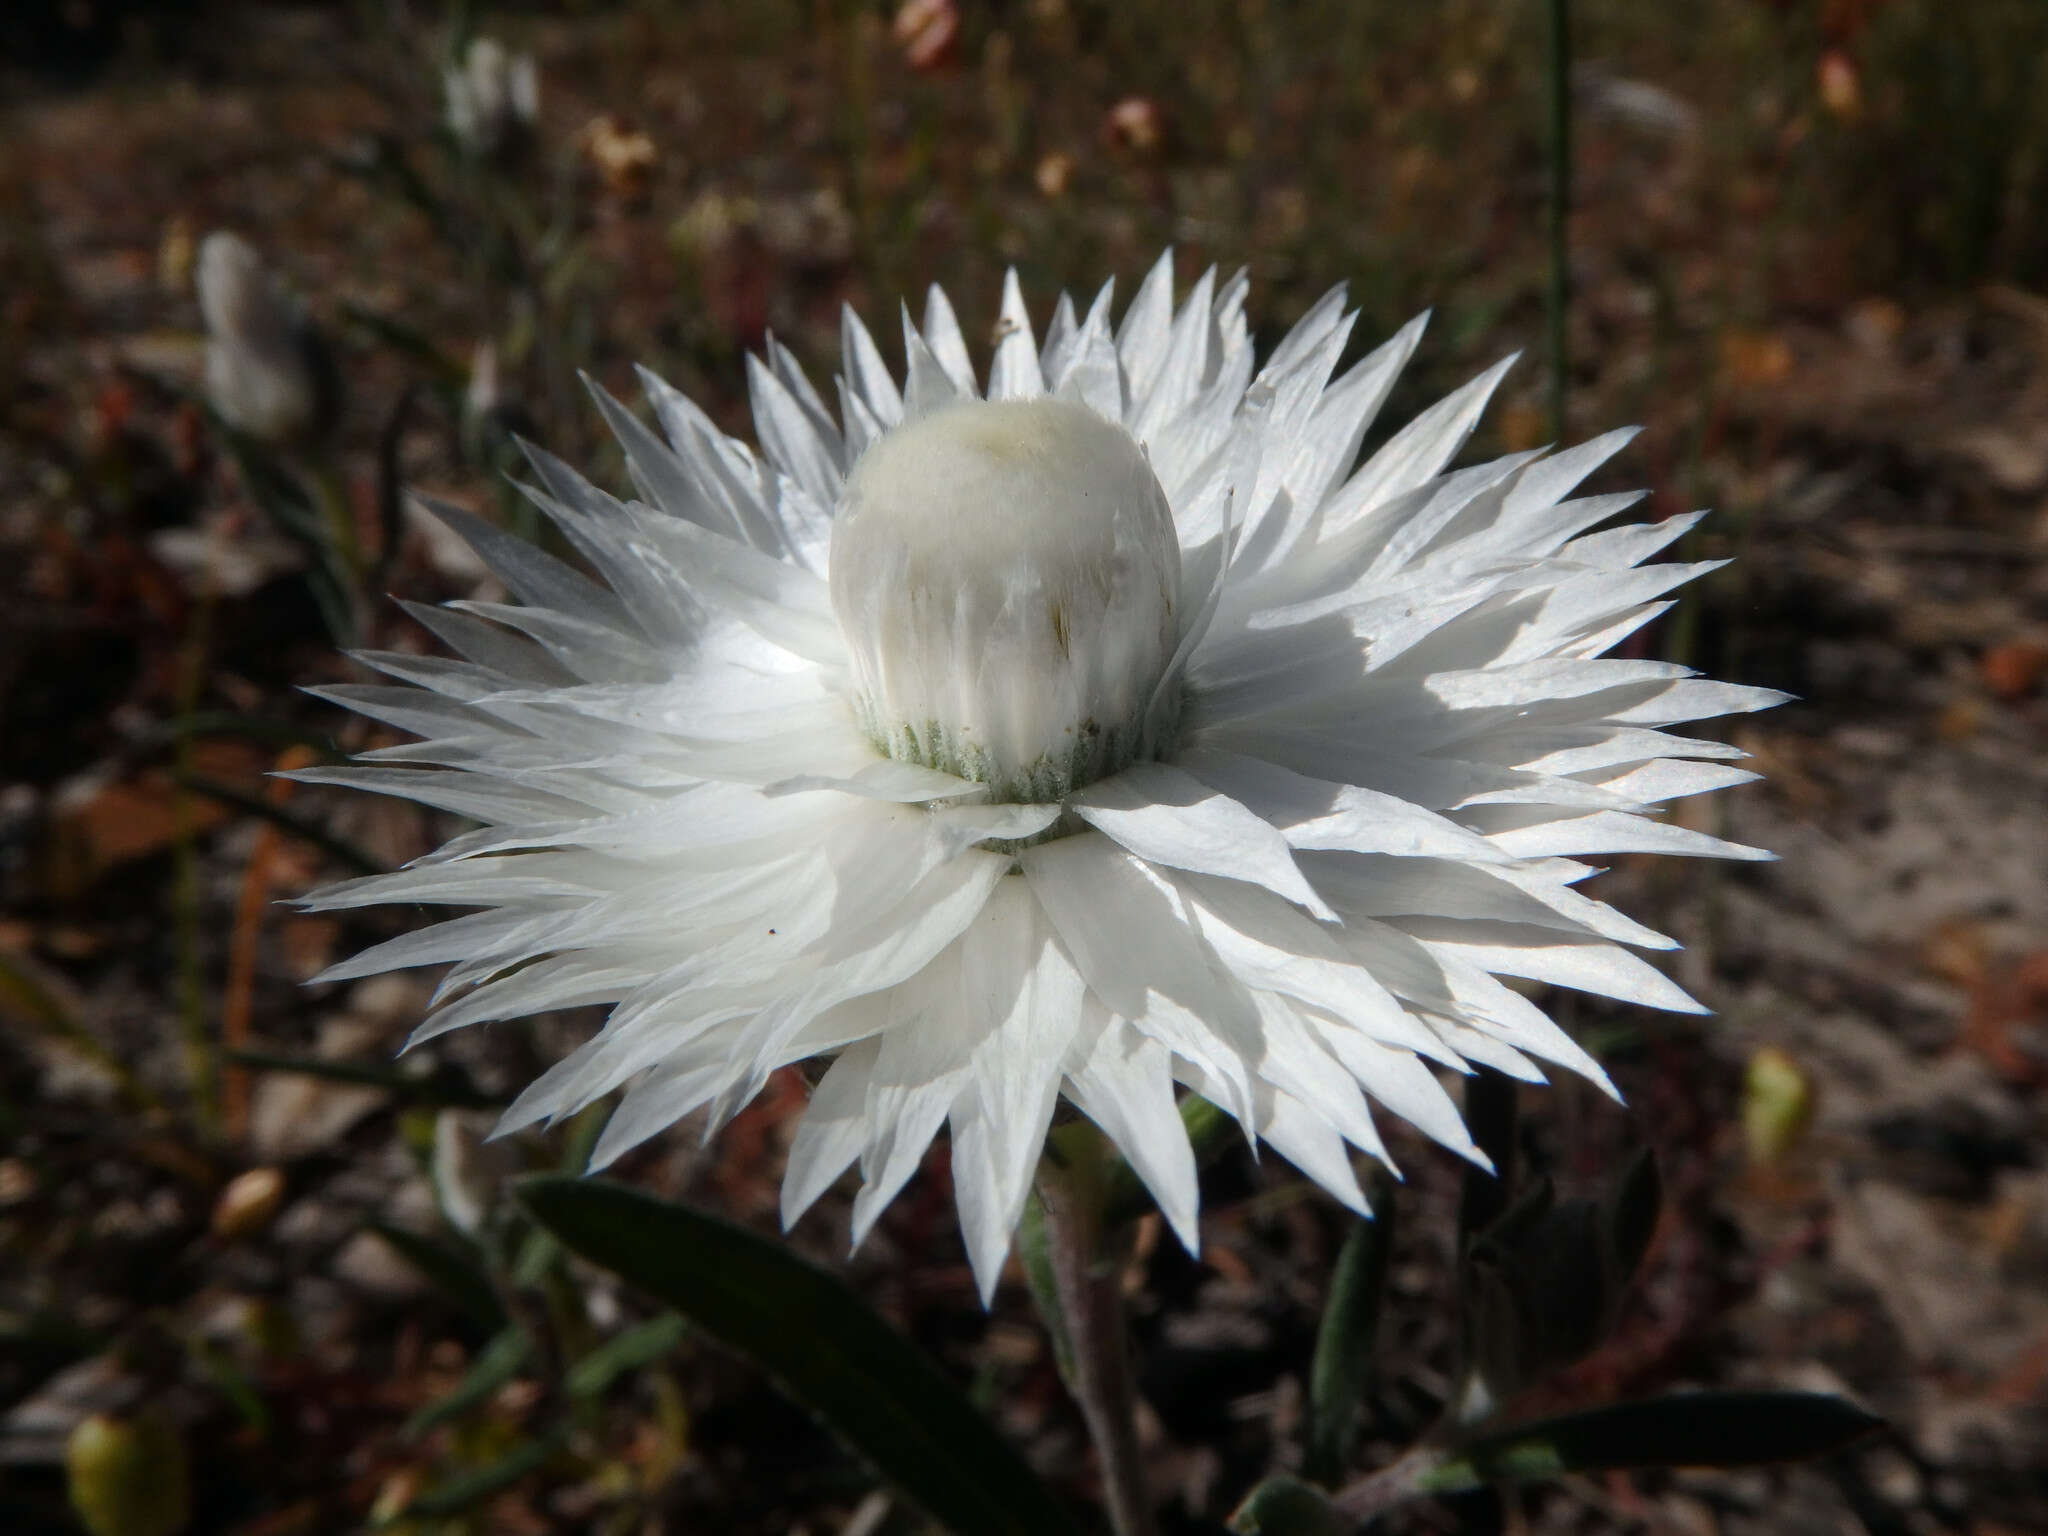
<point x="793" y="777"/>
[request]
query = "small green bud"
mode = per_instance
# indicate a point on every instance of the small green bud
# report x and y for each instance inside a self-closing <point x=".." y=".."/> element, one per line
<point x="1777" y="1106"/>
<point x="129" y="1476"/>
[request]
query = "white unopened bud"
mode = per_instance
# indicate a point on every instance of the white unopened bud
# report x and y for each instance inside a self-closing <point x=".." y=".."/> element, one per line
<point x="1007" y="578"/>
<point x="468" y="1168"/>
<point x="493" y="98"/>
<point x="267" y="371"/>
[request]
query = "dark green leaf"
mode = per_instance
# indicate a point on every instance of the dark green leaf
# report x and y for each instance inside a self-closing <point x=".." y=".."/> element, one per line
<point x="1490" y="1115"/>
<point x="277" y="733"/>
<point x="1286" y="1506"/>
<point x="1700" y="1429"/>
<point x="495" y="1364"/>
<point x="1346" y="1339"/>
<point x="1630" y="1209"/>
<point x="285" y="821"/>
<point x="642" y="1345"/>
<point x="821" y="1343"/>
<point x="458" y="1277"/>
<point x="407" y="341"/>
<point x="471" y="1488"/>
<point x="444" y="1087"/>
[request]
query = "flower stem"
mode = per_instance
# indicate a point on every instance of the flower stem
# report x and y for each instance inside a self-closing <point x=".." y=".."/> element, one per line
<point x="1081" y="1265"/>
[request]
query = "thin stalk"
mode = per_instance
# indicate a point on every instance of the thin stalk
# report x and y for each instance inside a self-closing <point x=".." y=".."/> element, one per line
<point x="1087" y="1283"/>
<point x="1558" y="296"/>
<point x="202" y="1064"/>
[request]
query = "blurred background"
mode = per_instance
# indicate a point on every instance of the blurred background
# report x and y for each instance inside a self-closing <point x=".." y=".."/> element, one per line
<point x="1808" y="251"/>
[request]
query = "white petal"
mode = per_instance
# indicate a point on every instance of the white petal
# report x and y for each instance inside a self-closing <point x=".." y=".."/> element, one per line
<point x="942" y="335"/>
<point x="1141" y="956"/>
<point x="1169" y="816"/>
<point x="831" y="1132"/>
<point x="1124" y="1083"/>
<point x="1014" y="373"/>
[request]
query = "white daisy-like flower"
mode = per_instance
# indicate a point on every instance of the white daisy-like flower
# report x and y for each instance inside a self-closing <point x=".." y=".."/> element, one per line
<point x="1102" y="730"/>
<point x="491" y="97"/>
<point x="268" y="371"/>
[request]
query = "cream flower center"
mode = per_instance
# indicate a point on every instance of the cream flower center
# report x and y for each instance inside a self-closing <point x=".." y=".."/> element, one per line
<point x="1007" y="578"/>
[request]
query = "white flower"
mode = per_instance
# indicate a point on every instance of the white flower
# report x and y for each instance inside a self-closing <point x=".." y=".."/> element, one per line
<point x="268" y="371"/>
<point x="1109" y="733"/>
<point x="492" y="98"/>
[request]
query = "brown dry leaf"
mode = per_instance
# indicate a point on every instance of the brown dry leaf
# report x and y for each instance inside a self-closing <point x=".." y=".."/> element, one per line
<point x="2008" y="1020"/>
<point x="622" y="154"/>
<point x="1755" y="359"/>
<point x="2012" y="670"/>
<point x="1840" y="87"/>
<point x="1054" y="172"/>
<point x="102" y="825"/>
<point x="926" y="31"/>
<point x="1956" y="951"/>
<point x="1135" y="124"/>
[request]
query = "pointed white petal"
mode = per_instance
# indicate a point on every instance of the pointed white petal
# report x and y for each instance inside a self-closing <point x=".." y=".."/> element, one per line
<point x="1167" y="815"/>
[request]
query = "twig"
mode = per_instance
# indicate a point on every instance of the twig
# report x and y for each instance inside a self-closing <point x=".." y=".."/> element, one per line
<point x="251" y="901"/>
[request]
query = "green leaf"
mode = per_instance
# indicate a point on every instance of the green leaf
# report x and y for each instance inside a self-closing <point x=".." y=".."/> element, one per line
<point x="495" y="1364"/>
<point x="638" y="1346"/>
<point x="288" y="822"/>
<point x="1629" y="1214"/>
<point x="457" y="1276"/>
<point x="469" y="1489"/>
<point x="1286" y="1506"/>
<point x="444" y="1087"/>
<point x="1491" y="1116"/>
<point x="1697" y="1429"/>
<point x="1345" y="1341"/>
<point x="825" y="1348"/>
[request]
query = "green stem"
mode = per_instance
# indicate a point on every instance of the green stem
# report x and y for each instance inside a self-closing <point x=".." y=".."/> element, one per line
<point x="1558" y="297"/>
<point x="1086" y="1274"/>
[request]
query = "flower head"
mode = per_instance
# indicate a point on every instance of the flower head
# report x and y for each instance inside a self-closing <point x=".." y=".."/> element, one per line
<point x="1107" y="729"/>
<point x="492" y="99"/>
<point x="268" y="370"/>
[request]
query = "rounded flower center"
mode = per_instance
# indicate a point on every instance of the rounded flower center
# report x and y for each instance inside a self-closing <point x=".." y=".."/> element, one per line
<point x="1007" y="579"/>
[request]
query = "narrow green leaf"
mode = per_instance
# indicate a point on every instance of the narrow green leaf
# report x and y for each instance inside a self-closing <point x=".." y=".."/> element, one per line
<point x="470" y="1489"/>
<point x="495" y="1364"/>
<point x="1695" y="1429"/>
<point x="1491" y="1116"/>
<point x="225" y="722"/>
<point x="887" y="1401"/>
<point x="1345" y="1342"/>
<point x="289" y="822"/>
<point x="1286" y="1506"/>
<point x="444" y="1087"/>
<point x="458" y="1277"/>
<point x="1630" y="1210"/>
<point x="629" y="1351"/>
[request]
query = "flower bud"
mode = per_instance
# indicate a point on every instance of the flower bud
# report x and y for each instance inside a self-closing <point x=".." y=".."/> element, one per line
<point x="468" y="1170"/>
<point x="492" y="100"/>
<point x="268" y="370"/>
<point x="128" y="1476"/>
<point x="248" y="1203"/>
